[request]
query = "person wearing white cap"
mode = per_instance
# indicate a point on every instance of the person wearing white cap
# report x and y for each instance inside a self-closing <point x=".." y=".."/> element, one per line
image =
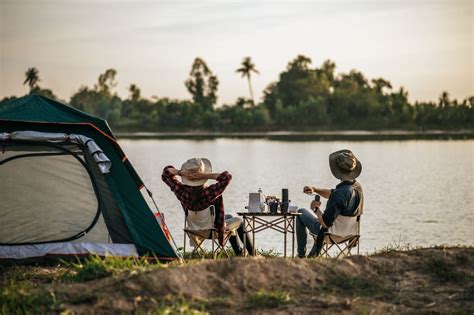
<point x="194" y="196"/>
<point x="343" y="200"/>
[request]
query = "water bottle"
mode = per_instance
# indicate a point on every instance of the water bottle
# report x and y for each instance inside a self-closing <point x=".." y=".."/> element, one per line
<point x="263" y="204"/>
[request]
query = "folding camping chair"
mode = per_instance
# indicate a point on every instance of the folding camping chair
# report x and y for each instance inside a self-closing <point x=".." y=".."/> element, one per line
<point x="344" y="235"/>
<point x="206" y="231"/>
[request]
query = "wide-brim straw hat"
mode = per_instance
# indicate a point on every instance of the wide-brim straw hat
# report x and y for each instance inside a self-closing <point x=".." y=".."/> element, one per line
<point x="344" y="165"/>
<point x="200" y="165"/>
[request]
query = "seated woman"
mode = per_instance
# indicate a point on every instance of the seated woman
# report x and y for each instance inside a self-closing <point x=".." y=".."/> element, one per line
<point x="194" y="195"/>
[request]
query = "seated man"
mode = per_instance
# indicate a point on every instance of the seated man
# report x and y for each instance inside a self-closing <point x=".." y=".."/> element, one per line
<point x="343" y="200"/>
<point x="195" y="196"/>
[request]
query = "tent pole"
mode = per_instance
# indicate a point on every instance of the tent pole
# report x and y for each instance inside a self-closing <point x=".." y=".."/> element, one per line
<point x="157" y="209"/>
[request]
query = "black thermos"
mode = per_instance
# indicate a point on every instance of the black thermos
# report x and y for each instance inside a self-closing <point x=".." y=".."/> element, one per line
<point x="285" y="202"/>
<point x="317" y="198"/>
<point x="284" y="195"/>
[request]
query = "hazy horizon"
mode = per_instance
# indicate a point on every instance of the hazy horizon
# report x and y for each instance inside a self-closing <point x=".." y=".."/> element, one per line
<point x="424" y="46"/>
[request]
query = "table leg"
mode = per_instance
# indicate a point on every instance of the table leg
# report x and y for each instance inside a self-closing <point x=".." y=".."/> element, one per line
<point x="253" y="236"/>
<point x="284" y="241"/>
<point x="245" y="237"/>
<point x="293" y="237"/>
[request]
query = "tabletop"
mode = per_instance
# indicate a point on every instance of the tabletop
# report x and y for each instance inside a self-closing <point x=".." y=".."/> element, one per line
<point x="268" y="214"/>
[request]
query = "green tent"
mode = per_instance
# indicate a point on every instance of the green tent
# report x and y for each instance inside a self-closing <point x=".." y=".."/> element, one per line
<point x="68" y="188"/>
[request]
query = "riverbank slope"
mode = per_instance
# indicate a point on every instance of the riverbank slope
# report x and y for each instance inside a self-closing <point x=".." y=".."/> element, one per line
<point x="427" y="280"/>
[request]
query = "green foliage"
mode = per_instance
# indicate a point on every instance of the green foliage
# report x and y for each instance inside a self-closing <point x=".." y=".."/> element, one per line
<point x="96" y="267"/>
<point x="268" y="253"/>
<point x="207" y="253"/>
<point x="202" y="84"/>
<point x="32" y="79"/>
<point x="314" y="99"/>
<point x="43" y="92"/>
<point x="21" y="298"/>
<point x="101" y="100"/>
<point x="303" y="98"/>
<point x="269" y="299"/>
<point x="106" y="82"/>
<point x="240" y="118"/>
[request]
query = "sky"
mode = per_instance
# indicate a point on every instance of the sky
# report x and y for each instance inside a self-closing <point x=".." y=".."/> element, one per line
<point x="424" y="46"/>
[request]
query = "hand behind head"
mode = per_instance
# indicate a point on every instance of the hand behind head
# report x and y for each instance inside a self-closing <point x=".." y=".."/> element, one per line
<point x="192" y="174"/>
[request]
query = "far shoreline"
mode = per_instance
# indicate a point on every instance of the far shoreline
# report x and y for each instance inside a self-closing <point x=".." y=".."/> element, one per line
<point x="335" y="135"/>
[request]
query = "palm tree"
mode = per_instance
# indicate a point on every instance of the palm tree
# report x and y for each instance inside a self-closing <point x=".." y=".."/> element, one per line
<point x="246" y="69"/>
<point x="444" y="100"/>
<point x="32" y="78"/>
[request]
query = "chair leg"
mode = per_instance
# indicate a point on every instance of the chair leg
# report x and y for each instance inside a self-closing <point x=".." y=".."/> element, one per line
<point x="185" y="234"/>
<point x="213" y="242"/>
<point x="221" y="249"/>
<point x="226" y="240"/>
<point x="216" y="248"/>
<point x="198" y="250"/>
<point x="341" y="250"/>
<point x="184" y="244"/>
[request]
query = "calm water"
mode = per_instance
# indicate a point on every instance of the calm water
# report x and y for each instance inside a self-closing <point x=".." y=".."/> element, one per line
<point x="416" y="192"/>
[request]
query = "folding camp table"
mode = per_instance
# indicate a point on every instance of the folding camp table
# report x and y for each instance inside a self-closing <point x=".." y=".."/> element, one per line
<point x="284" y="223"/>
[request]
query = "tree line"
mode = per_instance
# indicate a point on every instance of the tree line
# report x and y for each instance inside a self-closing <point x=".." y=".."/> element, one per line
<point x="303" y="98"/>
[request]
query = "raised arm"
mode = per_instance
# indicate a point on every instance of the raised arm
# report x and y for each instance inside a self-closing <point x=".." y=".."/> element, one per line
<point x="223" y="179"/>
<point x="169" y="177"/>
<point x="323" y="192"/>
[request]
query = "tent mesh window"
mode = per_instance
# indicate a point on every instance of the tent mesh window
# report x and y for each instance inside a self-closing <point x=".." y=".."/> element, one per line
<point x="48" y="194"/>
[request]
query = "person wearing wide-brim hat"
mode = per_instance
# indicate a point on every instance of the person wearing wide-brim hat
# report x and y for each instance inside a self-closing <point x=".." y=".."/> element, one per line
<point x="195" y="197"/>
<point x="345" y="199"/>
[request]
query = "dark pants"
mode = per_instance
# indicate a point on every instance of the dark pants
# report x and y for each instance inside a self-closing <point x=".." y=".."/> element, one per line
<point x="236" y="241"/>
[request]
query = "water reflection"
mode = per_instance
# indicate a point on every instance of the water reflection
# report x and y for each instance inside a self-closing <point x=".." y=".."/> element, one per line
<point x="416" y="192"/>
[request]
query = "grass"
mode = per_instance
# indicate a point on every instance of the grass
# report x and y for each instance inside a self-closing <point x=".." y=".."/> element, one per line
<point x="207" y="254"/>
<point x="21" y="298"/>
<point x="34" y="290"/>
<point x="269" y="299"/>
<point x="346" y="284"/>
<point x="96" y="267"/>
<point x="173" y="305"/>
<point x="396" y="246"/>
<point x="21" y="290"/>
<point x="445" y="271"/>
<point x="179" y="307"/>
<point x="268" y="253"/>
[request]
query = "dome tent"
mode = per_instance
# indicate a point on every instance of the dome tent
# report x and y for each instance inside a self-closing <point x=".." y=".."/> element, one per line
<point x="66" y="187"/>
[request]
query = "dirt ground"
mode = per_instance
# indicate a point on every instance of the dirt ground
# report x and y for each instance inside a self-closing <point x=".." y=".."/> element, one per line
<point x="425" y="281"/>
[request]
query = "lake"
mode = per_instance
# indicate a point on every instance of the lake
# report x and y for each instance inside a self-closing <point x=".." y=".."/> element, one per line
<point x="417" y="192"/>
